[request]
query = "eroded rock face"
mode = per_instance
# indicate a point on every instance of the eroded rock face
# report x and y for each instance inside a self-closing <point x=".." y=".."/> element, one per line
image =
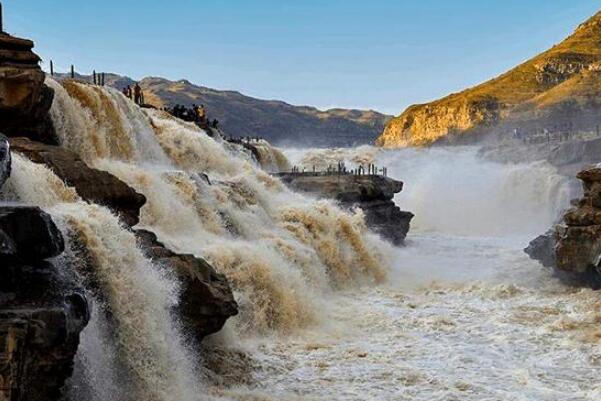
<point x="5" y="160"/>
<point x="207" y="300"/>
<point x="24" y="99"/>
<point x="424" y="124"/>
<point x="558" y="86"/>
<point x="43" y="308"/>
<point x="372" y="193"/>
<point x="92" y="185"/>
<point x="578" y="248"/>
<point x="29" y="235"/>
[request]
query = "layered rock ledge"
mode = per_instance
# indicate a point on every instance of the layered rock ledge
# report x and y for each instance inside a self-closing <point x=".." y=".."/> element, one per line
<point x="574" y="246"/>
<point x="371" y="193"/>
<point x="24" y="99"/>
<point x="92" y="185"/>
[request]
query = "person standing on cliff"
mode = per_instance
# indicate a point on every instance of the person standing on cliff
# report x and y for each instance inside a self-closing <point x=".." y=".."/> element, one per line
<point x="138" y="94"/>
<point x="201" y="113"/>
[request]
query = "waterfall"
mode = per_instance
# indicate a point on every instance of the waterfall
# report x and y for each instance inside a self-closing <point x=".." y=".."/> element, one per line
<point x="480" y="197"/>
<point x="136" y="294"/>
<point x="282" y="252"/>
<point x="279" y="249"/>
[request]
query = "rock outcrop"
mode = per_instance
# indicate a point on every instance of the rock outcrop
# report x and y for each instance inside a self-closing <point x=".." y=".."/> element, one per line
<point x="558" y="87"/>
<point x="372" y="193"/>
<point x="578" y="248"/>
<point x="43" y="308"/>
<point x="24" y="99"/>
<point x="573" y="247"/>
<point x="92" y="185"/>
<point x="29" y="235"/>
<point x="542" y="248"/>
<point x="207" y="300"/>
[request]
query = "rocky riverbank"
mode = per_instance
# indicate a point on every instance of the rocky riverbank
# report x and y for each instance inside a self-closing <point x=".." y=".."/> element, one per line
<point x="573" y="247"/>
<point x="43" y="307"/>
<point x="373" y="194"/>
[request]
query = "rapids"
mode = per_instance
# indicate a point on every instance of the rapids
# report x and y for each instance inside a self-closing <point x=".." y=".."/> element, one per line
<point x="464" y="315"/>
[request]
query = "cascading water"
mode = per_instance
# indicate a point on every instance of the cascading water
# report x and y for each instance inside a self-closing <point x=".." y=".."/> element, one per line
<point x="282" y="252"/>
<point x="464" y="315"/>
<point x="262" y="236"/>
<point x="138" y="297"/>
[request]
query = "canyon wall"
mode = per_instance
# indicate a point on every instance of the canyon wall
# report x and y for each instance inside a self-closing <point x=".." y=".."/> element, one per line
<point x="558" y="89"/>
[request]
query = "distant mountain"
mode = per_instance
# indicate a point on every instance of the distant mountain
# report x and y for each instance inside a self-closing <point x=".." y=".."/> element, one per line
<point x="276" y="121"/>
<point x="558" y="88"/>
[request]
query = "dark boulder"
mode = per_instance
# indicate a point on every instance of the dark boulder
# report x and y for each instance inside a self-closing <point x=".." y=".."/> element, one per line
<point x="542" y="248"/>
<point x="28" y="234"/>
<point x="207" y="300"/>
<point x="577" y="242"/>
<point x="387" y="219"/>
<point x="43" y="308"/>
<point x="42" y="313"/>
<point x="92" y="185"/>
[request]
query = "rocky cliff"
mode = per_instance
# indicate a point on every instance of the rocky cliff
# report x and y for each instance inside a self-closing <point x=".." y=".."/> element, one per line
<point x="561" y="86"/>
<point x="24" y="99"/>
<point x="43" y="307"/>
<point x="574" y="246"/>
<point x="371" y="193"/>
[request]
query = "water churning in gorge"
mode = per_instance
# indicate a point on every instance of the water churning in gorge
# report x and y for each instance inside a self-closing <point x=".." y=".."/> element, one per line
<point x="464" y="314"/>
<point x="282" y="252"/>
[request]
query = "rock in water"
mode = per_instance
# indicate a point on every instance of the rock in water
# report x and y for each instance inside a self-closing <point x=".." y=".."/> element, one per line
<point x="42" y="308"/>
<point x="28" y="234"/>
<point x="371" y="193"/>
<point x="92" y="185"/>
<point x="578" y="248"/>
<point x="24" y="99"/>
<point x="207" y="300"/>
<point x="542" y="248"/>
<point x="5" y="161"/>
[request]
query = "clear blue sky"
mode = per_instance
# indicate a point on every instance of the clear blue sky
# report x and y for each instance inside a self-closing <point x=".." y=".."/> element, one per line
<point x="380" y="54"/>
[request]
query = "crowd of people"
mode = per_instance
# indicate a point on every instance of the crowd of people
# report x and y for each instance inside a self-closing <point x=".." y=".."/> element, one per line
<point x="195" y="114"/>
<point x="136" y="94"/>
<point x="245" y="139"/>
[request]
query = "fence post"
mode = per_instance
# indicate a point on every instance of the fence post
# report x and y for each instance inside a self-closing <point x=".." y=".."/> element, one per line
<point x="94" y="76"/>
<point x="72" y="71"/>
<point x="51" y="68"/>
